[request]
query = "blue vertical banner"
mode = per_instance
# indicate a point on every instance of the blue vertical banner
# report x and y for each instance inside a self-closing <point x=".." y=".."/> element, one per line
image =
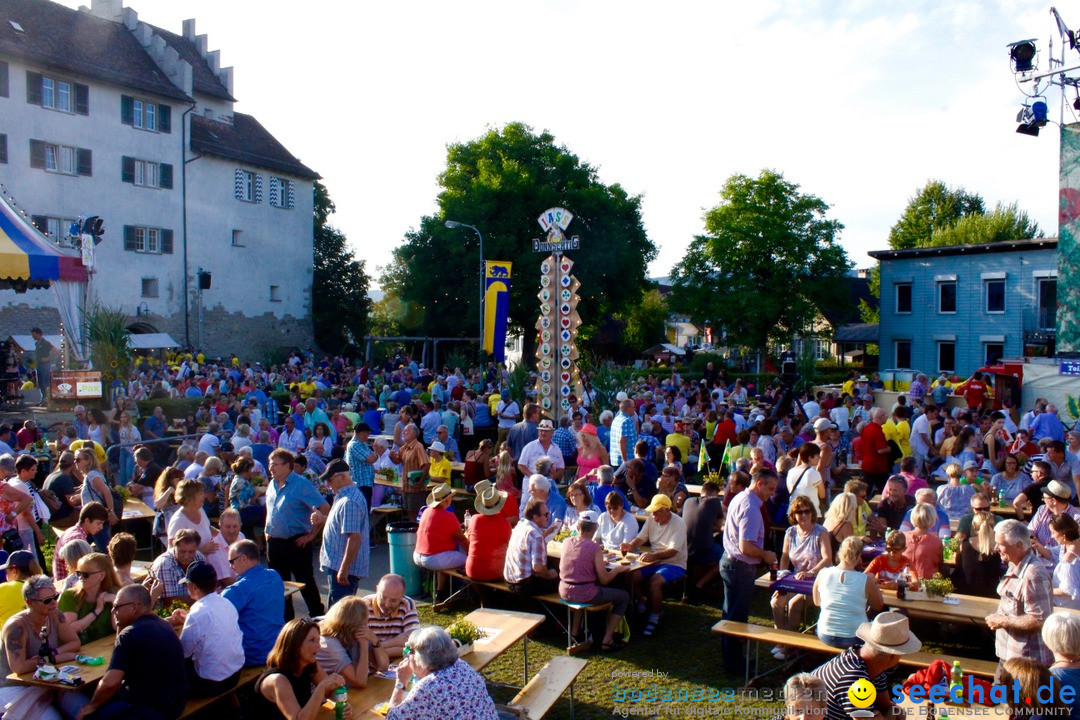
<point x="496" y="307"/>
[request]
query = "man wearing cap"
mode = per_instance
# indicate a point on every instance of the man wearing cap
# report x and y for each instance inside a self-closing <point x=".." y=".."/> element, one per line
<point x="1056" y="495"/>
<point x="345" y="551"/>
<point x="489" y="534"/>
<point x="665" y="533"/>
<point x="1026" y="598"/>
<point x="886" y="641"/>
<point x="540" y="447"/>
<point x="623" y="436"/>
<point x="744" y="551"/>
<point x="361" y="460"/>
<point x="211" y="637"/>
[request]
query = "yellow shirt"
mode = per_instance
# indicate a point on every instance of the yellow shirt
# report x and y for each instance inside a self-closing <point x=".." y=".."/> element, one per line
<point x="899" y="433"/>
<point x="848" y="387"/>
<point x="440" y="470"/>
<point x="11" y="599"/>
<point x="680" y="441"/>
<point x="98" y="450"/>
<point x="493" y="404"/>
<point x="307" y="389"/>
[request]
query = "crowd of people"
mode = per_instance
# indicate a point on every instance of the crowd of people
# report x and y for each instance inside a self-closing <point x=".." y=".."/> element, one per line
<point x="265" y="490"/>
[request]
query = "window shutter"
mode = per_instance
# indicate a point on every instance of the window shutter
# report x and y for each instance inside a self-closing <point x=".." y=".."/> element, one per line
<point x="3" y="78"/>
<point x="127" y="110"/>
<point x="238" y="184"/>
<point x="166" y="242"/>
<point x="85" y="163"/>
<point x="292" y="193"/>
<point x="165" y="176"/>
<point x="258" y="188"/>
<point x="40" y="222"/>
<point x="127" y="169"/>
<point x="164" y="119"/>
<point x="82" y="99"/>
<point x="129" y="237"/>
<point x="3" y="149"/>
<point x="37" y="154"/>
<point x="274" y="192"/>
<point x="33" y="88"/>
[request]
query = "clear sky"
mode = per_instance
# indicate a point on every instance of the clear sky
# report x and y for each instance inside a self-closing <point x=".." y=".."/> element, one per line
<point x="858" y="102"/>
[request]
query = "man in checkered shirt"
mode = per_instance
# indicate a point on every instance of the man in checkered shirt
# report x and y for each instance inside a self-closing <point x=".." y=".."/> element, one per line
<point x="1025" y="592"/>
<point x="163" y="580"/>
<point x="525" y="569"/>
<point x="623" y="434"/>
<point x="564" y="438"/>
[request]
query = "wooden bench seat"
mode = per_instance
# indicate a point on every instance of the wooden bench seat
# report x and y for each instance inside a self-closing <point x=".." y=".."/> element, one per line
<point x="556" y="599"/>
<point x="811" y="643"/>
<point x="248" y="676"/>
<point x="548" y="685"/>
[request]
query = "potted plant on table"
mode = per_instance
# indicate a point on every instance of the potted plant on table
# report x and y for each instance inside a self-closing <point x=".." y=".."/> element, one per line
<point x="937" y="587"/>
<point x="465" y="634"/>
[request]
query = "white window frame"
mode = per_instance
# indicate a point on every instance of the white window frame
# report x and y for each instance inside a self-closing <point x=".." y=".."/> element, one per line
<point x="956" y="296"/>
<point x="147" y="174"/>
<point x="249" y="186"/>
<point x="144" y="115"/>
<point x="896" y="353"/>
<point x="48" y="92"/>
<point x="282" y="193"/>
<point x="941" y="344"/>
<point x="57" y="94"/>
<point x="64" y="91"/>
<point x="55" y="157"/>
<point x="147" y="240"/>
<point x="896" y="297"/>
<point x="822" y="349"/>
<point x="986" y="296"/>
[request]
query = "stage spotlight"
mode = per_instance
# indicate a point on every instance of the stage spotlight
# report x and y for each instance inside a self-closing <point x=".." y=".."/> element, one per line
<point x="1022" y="53"/>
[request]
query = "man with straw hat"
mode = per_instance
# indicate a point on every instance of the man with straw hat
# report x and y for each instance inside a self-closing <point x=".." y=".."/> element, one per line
<point x="440" y="539"/>
<point x="885" y="641"/>
<point x="489" y="534"/>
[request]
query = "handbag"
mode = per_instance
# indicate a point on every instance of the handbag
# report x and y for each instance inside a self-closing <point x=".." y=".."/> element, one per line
<point x="781" y="510"/>
<point x="12" y="540"/>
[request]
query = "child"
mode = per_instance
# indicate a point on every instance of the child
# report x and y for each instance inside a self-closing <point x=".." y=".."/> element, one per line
<point x="888" y="566"/>
<point x="953" y="497"/>
<point x="440" y="466"/>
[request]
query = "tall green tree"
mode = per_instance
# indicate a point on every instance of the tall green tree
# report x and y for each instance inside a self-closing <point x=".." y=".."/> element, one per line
<point x="500" y="183"/>
<point x="768" y="262"/>
<point x="934" y="207"/>
<point x="646" y="322"/>
<point x="340" y="302"/>
<point x="1002" y="224"/>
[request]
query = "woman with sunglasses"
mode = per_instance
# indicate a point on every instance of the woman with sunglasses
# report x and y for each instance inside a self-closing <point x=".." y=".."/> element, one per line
<point x="294" y="686"/>
<point x="807" y="550"/>
<point x="88" y="605"/>
<point x="21" y="641"/>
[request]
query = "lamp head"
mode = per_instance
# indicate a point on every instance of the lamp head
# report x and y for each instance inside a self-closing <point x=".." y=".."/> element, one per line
<point x="452" y="224"/>
<point x="1022" y="53"/>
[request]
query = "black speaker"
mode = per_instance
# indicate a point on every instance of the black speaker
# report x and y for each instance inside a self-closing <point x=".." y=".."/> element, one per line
<point x="204" y="280"/>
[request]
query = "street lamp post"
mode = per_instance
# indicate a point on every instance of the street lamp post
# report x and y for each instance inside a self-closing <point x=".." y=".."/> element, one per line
<point x="454" y="224"/>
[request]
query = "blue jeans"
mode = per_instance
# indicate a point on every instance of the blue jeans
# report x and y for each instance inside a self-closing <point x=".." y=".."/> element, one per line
<point x="337" y="592"/>
<point x="837" y="641"/>
<point x="738" y="579"/>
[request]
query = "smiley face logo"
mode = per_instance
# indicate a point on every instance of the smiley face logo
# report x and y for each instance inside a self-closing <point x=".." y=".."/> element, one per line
<point x="862" y="693"/>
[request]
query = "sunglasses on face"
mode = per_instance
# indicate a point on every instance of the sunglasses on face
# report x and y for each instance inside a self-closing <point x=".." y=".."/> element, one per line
<point x="48" y="600"/>
<point x="802" y="512"/>
<point x="83" y="574"/>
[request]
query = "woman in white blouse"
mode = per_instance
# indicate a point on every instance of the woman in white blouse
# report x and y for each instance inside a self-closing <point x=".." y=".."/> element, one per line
<point x="616" y="526"/>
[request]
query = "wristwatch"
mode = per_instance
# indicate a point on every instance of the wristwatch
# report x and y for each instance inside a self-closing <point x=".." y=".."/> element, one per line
<point x="398" y="685"/>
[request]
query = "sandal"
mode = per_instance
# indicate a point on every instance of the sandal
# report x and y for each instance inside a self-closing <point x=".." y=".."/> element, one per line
<point x="615" y="646"/>
<point x="650" y="628"/>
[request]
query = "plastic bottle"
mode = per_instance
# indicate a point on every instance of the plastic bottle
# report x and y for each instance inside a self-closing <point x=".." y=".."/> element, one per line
<point x="1001" y="498"/>
<point x="773" y="571"/>
<point x="341" y="700"/>
<point x="956" y="677"/>
<point x="901" y="587"/>
<point x="468" y="517"/>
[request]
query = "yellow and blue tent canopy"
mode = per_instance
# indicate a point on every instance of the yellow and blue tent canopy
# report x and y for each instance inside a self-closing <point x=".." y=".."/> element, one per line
<point x="28" y="256"/>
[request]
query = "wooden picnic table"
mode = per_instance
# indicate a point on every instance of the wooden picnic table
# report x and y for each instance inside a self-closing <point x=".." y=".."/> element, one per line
<point x="693" y="489"/>
<point x="136" y="509"/>
<point x="141" y="568"/>
<point x="1007" y="511"/>
<point x="381" y="480"/>
<point x="504" y="628"/>
<point x="102" y="647"/>
<point x="554" y="551"/>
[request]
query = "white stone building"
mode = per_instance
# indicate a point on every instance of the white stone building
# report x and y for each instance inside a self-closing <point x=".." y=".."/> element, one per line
<point x="103" y="114"/>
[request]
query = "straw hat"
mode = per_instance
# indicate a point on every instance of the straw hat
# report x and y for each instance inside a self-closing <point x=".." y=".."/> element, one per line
<point x="489" y="501"/>
<point x="889" y="633"/>
<point x="438" y="493"/>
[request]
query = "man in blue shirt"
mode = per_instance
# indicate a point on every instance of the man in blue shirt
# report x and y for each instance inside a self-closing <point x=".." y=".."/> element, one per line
<point x="259" y="597"/>
<point x="290" y="500"/>
<point x="361" y="460"/>
<point x="344" y="555"/>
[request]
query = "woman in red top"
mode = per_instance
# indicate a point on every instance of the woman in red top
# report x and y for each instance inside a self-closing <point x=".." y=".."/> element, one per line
<point x="875" y="451"/>
<point x="924" y="548"/>
<point x="489" y="534"/>
<point x="439" y="539"/>
<point x="888" y="566"/>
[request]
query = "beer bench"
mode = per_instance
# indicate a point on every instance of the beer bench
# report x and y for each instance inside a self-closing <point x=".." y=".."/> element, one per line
<point x="548" y="685"/>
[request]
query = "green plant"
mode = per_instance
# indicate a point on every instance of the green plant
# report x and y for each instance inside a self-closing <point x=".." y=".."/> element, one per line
<point x="938" y="586"/>
<point x="106" y="329"/>
<point x="518" y="382"/>
<point x="166" y="610"/>
<point x="465" y="632"/>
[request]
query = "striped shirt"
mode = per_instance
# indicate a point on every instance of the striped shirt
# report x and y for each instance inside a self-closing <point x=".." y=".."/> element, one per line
<point x="1040" y="523"/>
<point x="527" y="549"/>
<point x="363" y="474"/>
<point x="1025" y="589"/>
<point x="387" y="626"/>
<point x="839" y="674"/>
<point x="622" y="427"/>
<point x="348" y="515"/>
